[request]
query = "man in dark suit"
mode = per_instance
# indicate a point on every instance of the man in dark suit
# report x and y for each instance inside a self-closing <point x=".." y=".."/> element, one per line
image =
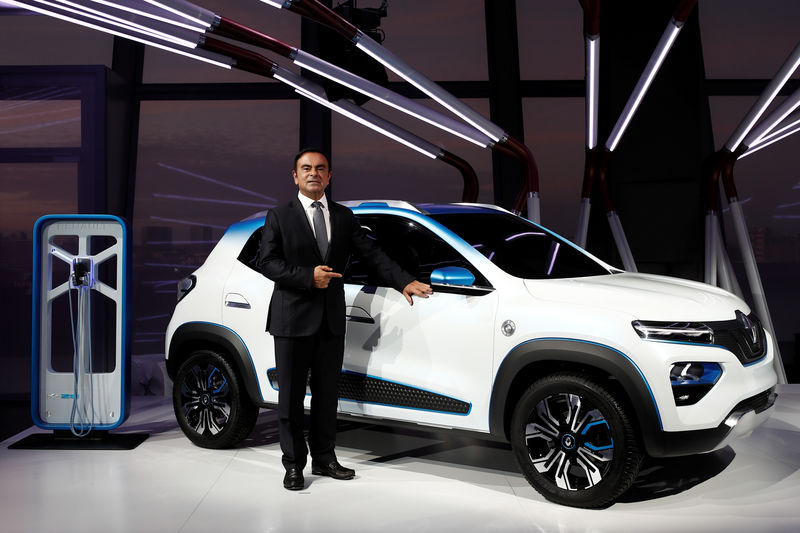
<point x="304" y="247"/>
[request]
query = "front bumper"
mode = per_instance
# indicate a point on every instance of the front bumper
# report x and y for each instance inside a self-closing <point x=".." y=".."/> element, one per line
<point x="740" y="422"/>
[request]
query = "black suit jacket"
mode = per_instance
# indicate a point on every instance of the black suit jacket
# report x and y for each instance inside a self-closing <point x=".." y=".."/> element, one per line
<point x="288" y="256"/>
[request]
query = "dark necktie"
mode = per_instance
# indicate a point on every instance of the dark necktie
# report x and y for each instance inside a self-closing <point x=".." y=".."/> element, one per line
<point x="320" y="232"/>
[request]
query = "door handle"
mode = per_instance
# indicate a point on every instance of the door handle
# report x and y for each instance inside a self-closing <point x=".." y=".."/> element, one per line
<point x="236" y="300"/>
<point x="358" y="314"/>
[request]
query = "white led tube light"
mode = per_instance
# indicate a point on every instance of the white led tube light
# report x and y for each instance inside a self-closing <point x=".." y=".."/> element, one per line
<point x="650" y="71"/>
<point x="408" y="73"/>
<point x="766" y="126"/>
<point x="138" y="7"/>
<point x="791" y="128"/>
<point x="274" y="3"/>
<point x="787" y="124"/>
<point x="162" y="30"/>
<point x="592" y="88"/>
<point x="81" y="14"/>
<point x="622" y="242"/>
<point x="314" y="92"/>
<point x="390" y="98"/>
<point x="107" y="27"/>
<point x="187" y="10"/>
<point x="772" y="89"/>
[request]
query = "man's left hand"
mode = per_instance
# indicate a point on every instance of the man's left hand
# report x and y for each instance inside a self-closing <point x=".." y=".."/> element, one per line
<point x="416" y="288"/>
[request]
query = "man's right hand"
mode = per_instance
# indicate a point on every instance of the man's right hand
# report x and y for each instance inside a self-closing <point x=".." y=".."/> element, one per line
<point x="323" y="275"/>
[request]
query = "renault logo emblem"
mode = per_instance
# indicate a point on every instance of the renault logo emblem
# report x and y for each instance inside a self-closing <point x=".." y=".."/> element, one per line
<point x="747" y="325"/>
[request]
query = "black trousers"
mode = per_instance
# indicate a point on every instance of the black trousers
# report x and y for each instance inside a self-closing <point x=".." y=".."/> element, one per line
<point x="322" y="354"/>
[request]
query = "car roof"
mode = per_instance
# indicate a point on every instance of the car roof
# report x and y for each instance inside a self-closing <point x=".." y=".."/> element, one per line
<point x="424" y="208"/>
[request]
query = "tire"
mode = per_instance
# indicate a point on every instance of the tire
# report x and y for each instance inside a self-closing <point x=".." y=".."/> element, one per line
<point x="574" y="442"/>
<point x="210" y="403"/>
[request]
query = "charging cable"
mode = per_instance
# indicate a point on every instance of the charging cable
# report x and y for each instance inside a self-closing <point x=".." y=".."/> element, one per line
<point x="81" y="420"/>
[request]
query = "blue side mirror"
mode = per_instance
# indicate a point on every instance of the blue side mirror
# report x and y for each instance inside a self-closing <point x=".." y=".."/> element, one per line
<point x="453" y="276"/>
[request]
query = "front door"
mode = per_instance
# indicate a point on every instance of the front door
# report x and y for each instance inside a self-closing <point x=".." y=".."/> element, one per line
<point x="430" y="362"/>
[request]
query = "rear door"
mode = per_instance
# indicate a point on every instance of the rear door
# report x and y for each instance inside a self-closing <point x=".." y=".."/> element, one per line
<point x="245" y="304"/>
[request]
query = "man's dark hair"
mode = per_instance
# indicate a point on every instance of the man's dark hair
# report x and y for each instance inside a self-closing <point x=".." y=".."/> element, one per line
<point x="311" y="150"/>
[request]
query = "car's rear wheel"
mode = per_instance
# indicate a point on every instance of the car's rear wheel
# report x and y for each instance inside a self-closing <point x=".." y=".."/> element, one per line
<point x="210" y="403"/>
<point x="574" y="441"/>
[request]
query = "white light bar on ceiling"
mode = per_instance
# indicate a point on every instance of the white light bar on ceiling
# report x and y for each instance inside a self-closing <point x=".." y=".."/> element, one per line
<point x="765" y="127"/>
<point x="782" y="133"/>
<point x="650" y="71"/>
<point x="139" y="7"/>
<point x="592" y="89"/>
<point x="187" y="10"/>
<point x="274" y="3"/>
<point x="314" y="92"/>
<point x="390" y="98"/>
<point x="104" y="26"/>
<point x="408" y="73"/>
<point x="771" y="91"/>
<point x="167" y="32"/>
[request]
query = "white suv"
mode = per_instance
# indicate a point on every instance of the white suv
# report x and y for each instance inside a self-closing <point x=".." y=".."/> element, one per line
<point x="584" y="368"/>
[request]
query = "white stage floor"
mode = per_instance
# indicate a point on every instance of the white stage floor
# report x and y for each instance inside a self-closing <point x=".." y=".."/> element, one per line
<point x="405" y="481"/>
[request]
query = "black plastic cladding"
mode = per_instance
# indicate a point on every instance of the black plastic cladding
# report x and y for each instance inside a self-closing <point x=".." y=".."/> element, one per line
<point x="361" y="388"/>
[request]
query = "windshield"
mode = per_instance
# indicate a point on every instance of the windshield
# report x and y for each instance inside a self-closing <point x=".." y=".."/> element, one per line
<point x="520" y="247"/>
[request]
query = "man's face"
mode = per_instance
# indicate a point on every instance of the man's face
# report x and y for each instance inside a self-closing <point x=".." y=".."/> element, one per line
<point x="312" y="174"/>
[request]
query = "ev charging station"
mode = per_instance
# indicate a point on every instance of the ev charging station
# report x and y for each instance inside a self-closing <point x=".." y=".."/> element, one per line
<point x="80" y="325"/>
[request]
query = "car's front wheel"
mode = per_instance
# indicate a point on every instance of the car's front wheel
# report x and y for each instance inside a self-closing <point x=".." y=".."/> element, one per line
<point x="210" y="403"/>
<point x="574" y="441"/>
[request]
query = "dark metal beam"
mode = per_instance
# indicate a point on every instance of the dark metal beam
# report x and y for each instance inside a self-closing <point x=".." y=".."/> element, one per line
<point x="505" y="95"/>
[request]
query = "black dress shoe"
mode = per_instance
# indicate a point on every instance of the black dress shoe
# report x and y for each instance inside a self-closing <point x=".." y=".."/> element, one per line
<point x="293" y="480"/>
<point x="332" y="469"/>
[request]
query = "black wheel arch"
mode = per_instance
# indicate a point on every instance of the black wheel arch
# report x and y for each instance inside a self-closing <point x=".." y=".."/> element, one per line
<point x="536" y="358"/>
<point x="192" y="336"/>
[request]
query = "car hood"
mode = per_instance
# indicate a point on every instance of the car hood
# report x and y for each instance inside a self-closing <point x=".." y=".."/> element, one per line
<point x="643" y="296"/>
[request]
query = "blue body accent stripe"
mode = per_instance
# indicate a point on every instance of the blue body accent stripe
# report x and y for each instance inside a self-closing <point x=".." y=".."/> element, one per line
<point x="124" y="286"/>
<point x="708" y="346"/>
<point x="649" y="390"/>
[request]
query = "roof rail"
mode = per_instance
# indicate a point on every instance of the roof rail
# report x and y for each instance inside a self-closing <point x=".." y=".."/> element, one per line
<point x="400" y="204"/>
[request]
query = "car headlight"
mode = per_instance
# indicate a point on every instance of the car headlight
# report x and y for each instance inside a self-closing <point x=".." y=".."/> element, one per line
<point x="691" y="380"/>
<point x="692" y="332"/>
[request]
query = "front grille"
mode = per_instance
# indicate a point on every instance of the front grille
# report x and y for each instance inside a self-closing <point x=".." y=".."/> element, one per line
<point x="362" y="388"/>
<point x="758" y="403"/>
<point x="737" y="337"/>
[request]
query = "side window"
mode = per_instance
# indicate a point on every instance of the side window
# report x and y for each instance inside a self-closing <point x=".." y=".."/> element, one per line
<point x="249" y="253"/>
<point x="415" y="248"/>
